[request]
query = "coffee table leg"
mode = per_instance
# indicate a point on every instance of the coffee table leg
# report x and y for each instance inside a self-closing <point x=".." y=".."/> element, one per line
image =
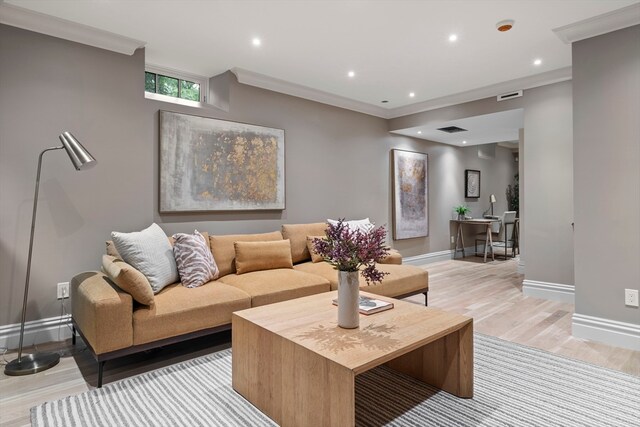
<point x="289" y="383"/>
<point x="446" y="363"/>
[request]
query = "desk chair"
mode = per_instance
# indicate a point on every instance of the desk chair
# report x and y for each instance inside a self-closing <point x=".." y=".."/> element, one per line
<point x="502" y="233"/>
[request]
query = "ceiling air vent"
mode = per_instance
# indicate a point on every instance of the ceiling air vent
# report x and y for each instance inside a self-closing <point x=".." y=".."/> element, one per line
<point x="505" y="96"/>
<point x="452" y="129"/>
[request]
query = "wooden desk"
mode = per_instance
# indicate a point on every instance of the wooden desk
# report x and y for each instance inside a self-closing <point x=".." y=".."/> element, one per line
<point x="477" y="222"/>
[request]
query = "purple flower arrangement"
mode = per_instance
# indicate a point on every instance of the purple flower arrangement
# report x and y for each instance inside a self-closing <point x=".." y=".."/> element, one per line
<point x="350" y="249"/>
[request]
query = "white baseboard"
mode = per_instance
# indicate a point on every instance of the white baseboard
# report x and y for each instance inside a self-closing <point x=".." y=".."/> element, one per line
<point x="520" y="266"/>
<point x="433" y="257"/>
<point x="36" y="332"/>
<point x="619" y="334"/>
<point x="550" y="291"/>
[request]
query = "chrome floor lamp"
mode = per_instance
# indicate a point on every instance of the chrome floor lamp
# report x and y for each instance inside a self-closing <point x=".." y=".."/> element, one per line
<point x="31" y="363"/>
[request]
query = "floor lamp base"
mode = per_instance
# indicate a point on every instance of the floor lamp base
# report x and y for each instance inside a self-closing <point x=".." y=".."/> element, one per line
<point x="32" y="363"/>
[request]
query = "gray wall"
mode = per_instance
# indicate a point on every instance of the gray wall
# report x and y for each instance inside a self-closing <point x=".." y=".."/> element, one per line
<point x="548" y="163"/>
<point x="606" y="81"/>
<point x="337" y="164"/>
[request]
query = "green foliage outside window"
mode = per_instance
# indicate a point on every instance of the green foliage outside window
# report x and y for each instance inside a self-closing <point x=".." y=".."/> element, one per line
<point x="150" y="82"/>
<point x="171" y="86"/>
<point x="189" y="90"/>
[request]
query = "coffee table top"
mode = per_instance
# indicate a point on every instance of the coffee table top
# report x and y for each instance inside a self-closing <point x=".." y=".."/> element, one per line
<point x="312" y="322"/>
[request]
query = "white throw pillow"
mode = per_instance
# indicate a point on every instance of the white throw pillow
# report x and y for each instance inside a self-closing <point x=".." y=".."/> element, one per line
<point x="364" y="225"/>
<point x="150" y="252"/>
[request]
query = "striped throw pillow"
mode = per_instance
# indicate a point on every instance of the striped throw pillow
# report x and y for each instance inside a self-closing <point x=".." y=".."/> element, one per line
<point x="194" y="259"/>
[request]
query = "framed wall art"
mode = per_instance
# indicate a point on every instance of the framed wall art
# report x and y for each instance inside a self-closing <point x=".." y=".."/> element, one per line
<point x="410" y="194"/>
<point x="217" y="165"/>
<point x="471" y="184"/>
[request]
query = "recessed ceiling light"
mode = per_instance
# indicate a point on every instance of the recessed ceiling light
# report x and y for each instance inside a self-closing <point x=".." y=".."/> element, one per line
<point x="537" y="62"/>
<point x="351" y="74"/>
<point x="464" y="142"/>
<point x="453" y="37"/>
<point x="411" y="94"/>
<point x="505" y="25"/>
<point x="419" y="132"/>
<point x="256" y="41"/>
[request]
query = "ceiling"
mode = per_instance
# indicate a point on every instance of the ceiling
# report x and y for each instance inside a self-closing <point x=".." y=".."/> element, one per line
<point x="395" y="47"/>
<point x="488" y="128"/>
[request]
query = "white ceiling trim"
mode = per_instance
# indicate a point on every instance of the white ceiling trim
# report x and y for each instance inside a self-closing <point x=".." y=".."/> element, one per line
<point x="598" y="25"/>
<point x="265" y="82"/>
<point x="542" y="79"/>
<point x="68" y="30"/>
<point x="260" y="80"/>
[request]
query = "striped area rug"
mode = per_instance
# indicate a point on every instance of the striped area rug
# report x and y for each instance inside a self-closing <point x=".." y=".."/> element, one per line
<point x="514" y="386"/>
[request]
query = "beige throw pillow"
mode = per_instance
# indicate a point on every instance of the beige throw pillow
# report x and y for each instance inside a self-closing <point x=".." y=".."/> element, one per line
<point x="315" y="257"/>
<point x="256" y="256"/>
<point x="128" y="279"/>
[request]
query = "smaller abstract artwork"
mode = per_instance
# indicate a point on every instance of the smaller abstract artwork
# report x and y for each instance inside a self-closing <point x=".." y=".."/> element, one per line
<point x="471" y="184"/>
<point x="216" y="165"/>
<point x="410" y="194"/>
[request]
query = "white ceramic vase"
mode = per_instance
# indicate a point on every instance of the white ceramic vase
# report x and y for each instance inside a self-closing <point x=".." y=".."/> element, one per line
<point x="348" y="299"/>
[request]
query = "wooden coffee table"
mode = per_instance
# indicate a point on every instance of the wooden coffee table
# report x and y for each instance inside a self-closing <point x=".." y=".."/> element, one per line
<point x="294" y="363"/>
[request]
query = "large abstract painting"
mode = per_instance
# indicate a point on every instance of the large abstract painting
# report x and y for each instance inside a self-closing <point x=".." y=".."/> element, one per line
<point x="410" y="195"/>
<point x="216" y="165"/>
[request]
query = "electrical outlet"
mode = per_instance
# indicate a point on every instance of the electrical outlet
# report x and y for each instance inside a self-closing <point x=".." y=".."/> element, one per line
<point x="63" y="290"/>
<point x="631" y="297"/>
<point x="453" y="240"/>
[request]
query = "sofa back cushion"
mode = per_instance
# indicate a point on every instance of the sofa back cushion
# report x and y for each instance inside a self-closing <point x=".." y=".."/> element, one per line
<point x="224" y="251"/>
<point x="258" y="256"/>
<point x="297" y="234"/>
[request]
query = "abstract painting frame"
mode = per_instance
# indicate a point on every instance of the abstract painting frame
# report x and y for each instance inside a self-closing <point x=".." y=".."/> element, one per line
<point x="471" y="184"/>
<point x="410" y="194"/>
<point x="209" y="165"/>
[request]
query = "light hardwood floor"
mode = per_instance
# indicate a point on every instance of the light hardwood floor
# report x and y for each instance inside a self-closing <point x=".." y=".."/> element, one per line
<point x="491" y="293"/>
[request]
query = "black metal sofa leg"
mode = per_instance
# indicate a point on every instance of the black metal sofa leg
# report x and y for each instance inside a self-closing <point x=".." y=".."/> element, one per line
<point x="73" y="336"/>
<point x="426" y="298"/>
<point x="100" y="372"/>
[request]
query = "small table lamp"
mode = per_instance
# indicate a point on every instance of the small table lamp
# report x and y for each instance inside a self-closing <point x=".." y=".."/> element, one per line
<point x="492" y="200"/>
<point x="31" y="363"/>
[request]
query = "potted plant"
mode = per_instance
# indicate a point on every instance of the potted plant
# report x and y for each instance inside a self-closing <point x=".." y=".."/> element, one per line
<point x="461" y="210"/>
<point x="352" y="252"/>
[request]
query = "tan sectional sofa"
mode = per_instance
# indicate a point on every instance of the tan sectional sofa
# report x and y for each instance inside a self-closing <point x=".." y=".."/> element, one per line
<point x="113" y="324"/>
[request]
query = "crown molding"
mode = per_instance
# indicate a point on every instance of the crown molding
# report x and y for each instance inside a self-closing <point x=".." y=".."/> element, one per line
<point x="601" y="24"/>
<point x="270" y="83"/>
<point x="529" y="82"/>
<point x="61" y="28"/>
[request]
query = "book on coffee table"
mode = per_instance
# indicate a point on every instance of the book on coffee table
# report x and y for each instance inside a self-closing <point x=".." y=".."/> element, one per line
<point x="370" y="305"/>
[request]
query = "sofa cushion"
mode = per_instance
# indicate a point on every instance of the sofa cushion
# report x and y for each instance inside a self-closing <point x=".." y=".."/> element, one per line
<point x="401" y="280"/>
<point x="179" y="310"/>
<point x="315" y="257"/>
<point x="394" y="257"/>
<point x="269" y="286"/>
<point x="224" y="251"/>
<point x="257" y="256"/>
<point x="149" y="252"/>
<point x="194" y="260"/>
<point x="297" y="234"/>
<point x="128" y="279"/>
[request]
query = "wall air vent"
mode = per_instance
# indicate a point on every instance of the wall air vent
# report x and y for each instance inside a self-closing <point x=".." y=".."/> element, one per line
<point x="505" y="96"/>
<point x="452" y="129"/>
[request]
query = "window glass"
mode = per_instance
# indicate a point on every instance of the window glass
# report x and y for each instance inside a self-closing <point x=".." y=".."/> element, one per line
<point x="189" y="90"/>
<point x="168" y="86"/>
<point x="150" y="82"/>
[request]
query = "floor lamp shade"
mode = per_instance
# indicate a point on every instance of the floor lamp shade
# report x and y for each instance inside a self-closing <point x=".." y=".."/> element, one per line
<point x="79" y="155"/>
<point x="31" y="363"/>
